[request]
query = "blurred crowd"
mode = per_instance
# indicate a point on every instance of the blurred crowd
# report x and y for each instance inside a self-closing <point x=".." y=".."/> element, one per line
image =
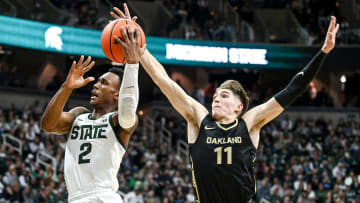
<point x="83" y="13"/>
<point x="9" y="75"/>
<point x="194" y="20"/>
<point x="313" y="16"/>
<point x="301" y="160"/>
<point x="309" y="160"/>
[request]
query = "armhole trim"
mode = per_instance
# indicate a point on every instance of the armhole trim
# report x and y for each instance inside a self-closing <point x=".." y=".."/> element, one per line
<point x="116" y="130"/>
<point x="248" y="133"/>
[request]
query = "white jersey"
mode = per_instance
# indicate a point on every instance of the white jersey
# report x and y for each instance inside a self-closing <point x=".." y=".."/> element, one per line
<point x="93" y="155"/>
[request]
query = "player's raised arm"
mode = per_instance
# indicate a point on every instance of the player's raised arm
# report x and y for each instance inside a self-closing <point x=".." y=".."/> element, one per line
<point x="262" y="114"/>
<point x="54" y="120"/>
<point x="188" y="107"/>
<point x="129" y="89"/>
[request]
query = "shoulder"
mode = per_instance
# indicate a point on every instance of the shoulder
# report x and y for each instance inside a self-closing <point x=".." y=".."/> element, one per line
<point x="79" y="110"/>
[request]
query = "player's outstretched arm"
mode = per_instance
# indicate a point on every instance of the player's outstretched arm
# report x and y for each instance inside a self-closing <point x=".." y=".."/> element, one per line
<point x="54" y="120"/>
<point x="188" y="107"/>
<point x="262" y="114"/>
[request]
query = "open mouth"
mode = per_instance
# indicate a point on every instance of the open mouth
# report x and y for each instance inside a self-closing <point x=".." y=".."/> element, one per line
<point x="93" y="94"/>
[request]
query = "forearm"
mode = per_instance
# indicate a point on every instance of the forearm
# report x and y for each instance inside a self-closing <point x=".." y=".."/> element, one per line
<point x="128" y="96"/>
<point x="154" y="69"/>
<point x="55" y="107"/>
<point x="300" y="81"/>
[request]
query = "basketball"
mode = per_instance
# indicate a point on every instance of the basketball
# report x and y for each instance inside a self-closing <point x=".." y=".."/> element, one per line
<point x="110" y="47"/>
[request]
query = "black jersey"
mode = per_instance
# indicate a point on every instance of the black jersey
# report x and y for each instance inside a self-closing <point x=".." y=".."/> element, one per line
<point x="222" y="160"/>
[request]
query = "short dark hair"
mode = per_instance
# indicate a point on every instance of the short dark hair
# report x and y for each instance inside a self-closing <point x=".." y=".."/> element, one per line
<point x="117" y="71"/>
<point x="238" y="90"/>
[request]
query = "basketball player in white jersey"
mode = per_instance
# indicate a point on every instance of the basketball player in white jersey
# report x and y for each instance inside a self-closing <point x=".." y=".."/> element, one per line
<point x="97" y="139"/>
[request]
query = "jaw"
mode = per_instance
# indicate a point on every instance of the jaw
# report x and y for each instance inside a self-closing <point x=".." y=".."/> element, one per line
<point x="219" y="115"/>
<point x="94" y="100"/>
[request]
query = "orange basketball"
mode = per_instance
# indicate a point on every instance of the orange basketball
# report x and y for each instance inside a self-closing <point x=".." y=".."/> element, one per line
<point x="110" y="47"/>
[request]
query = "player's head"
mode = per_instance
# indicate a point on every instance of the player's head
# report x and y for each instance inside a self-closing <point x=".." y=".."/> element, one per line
<point x="230" y="99"/>
<point x="106" y="89"/>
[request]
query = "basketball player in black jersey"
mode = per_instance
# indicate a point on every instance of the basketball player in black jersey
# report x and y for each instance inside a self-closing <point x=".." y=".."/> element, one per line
<point x="223" y="144"/>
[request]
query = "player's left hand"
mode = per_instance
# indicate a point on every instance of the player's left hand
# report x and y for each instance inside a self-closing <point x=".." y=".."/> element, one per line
<point x="119" y="14"/>
<point x="330" y="36"/>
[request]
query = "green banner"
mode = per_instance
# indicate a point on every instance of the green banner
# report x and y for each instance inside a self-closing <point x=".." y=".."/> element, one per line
<point x="77" y="41"/>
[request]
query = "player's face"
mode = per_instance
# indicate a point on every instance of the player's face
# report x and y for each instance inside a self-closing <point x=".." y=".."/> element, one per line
<point x="225" y="104"/>
<point x="105" y="90"/>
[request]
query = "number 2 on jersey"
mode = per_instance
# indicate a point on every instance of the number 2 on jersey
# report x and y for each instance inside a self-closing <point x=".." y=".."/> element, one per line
<point x="86" y="148"/>
<point x="228" y="151"/>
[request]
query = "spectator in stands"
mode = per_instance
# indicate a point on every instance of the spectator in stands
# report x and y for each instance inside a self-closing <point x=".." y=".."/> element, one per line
<point x="136" y="195"/>
<point x="32" y="174"/>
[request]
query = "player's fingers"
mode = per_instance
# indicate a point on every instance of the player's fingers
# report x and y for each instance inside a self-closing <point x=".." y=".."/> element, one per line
<point x="86" y="63"/>
<point x="80" y="61"/>
<point x="89" y="67"/>
<point x="126" y="9"/>
<point x="337" y="28"/>
<point x="89" y="79"/>
<point x="118" y="40"/>
<point x="137" y="36"/>
<point x="73" y="65"/>
<point x="119" y="12"/>
<point x="114" y="15"/>
<point x="134" y="18"/>
<point x="124" y="34"/>
<point x="130" y="33"/>
<point x="332" y="24"/>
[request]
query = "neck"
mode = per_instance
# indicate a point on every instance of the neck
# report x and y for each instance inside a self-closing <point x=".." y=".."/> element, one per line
<point x="99" y="111"/>
<point x="226" y="120"/>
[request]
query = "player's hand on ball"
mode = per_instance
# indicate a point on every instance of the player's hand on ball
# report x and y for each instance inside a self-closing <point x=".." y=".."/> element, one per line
<point x="131" y="44"/>
<point x="330" y="36"/>
<point x="75" y="78"/>
<point x="119" y="14"/>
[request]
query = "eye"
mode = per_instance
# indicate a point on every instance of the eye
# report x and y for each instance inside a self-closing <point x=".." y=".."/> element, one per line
<point x="225" y="96"/>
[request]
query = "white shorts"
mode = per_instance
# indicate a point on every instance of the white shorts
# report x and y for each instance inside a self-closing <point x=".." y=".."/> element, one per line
<point x="98" y="197"/>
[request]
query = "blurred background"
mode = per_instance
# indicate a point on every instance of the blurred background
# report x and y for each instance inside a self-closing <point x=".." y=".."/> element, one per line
<point x="310" y="153"/>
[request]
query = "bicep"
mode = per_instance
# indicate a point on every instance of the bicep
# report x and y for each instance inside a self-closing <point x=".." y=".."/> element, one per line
<point x="65" y="121"/>
<point x="187" y="106"/>
<point x="260" y="115"/>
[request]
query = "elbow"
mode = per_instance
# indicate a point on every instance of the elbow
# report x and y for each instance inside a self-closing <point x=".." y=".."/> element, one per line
<point x="44" y="125"/>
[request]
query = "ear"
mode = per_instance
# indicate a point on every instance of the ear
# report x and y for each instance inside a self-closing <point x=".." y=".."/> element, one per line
<point x="239" y="108"/>
<point x="116" y="96"/>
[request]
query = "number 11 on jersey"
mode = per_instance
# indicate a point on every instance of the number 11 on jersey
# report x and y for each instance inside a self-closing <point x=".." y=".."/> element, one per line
<point x="228" y="151"/>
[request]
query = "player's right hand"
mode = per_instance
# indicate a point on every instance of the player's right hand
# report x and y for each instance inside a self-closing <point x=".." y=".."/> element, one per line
<point x="75" y="78"/>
